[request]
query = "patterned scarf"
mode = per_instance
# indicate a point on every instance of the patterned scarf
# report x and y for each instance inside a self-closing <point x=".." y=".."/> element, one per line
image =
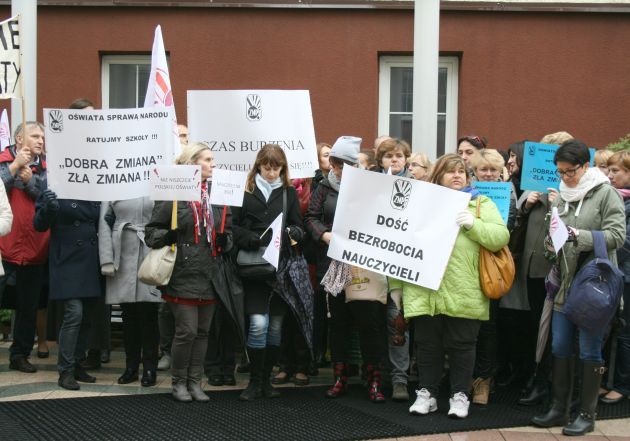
<point x="202" y="213"/>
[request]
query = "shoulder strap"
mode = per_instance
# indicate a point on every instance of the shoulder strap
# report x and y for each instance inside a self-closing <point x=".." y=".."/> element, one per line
<point x="599" y="245"/>
<point x="284" y="207"/>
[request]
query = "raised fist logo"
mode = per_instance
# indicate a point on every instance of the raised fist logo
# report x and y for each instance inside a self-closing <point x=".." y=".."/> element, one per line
<point x="56" y="121"/>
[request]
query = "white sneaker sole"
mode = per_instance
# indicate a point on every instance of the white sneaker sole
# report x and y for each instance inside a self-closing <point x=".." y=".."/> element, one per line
<point x="416" y="412"/>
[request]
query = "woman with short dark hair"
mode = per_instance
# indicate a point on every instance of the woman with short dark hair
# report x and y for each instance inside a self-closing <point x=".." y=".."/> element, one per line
<point x="586" y="203"/>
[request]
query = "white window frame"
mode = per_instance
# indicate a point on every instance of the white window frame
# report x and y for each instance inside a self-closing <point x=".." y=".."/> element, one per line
<point x="107" y="60"/>
<point x="452" y="89"/>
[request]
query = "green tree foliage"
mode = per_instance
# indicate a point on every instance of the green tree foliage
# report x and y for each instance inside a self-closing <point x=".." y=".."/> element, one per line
<point x="622" y="144"/>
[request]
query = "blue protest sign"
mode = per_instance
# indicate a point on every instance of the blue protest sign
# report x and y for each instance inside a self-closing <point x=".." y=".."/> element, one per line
<point x="539" y="171"/>
<point x="499" y="192"/>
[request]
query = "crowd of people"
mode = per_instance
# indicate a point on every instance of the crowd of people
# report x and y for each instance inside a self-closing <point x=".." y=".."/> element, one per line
<point x="82" y="257"/>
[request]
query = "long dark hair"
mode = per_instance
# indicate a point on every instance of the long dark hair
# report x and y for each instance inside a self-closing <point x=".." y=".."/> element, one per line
<point x="273" y="155"/>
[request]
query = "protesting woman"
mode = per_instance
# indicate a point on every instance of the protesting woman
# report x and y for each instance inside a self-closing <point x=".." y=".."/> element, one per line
<point x="345" y="310"/>
<point x="619" y="175"/>
<point x="122" y="250"/>
<point x="447" y="321"/>
<point x="586" y="203"/>
<point x="268" y="193"/>
<point x="200" y="237"/>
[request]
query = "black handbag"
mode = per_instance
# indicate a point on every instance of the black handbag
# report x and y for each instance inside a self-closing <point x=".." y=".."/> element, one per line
<point x="251" y="265"/>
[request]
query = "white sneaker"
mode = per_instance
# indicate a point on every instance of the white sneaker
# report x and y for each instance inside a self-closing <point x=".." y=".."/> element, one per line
<point x="165" y="363"/>
<point x="459" y="406"/>
<point x="424" y="404"/>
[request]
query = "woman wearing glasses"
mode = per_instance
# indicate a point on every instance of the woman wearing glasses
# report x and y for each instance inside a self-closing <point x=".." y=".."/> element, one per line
<point x="419" y="166"/>
<point x="586" y="203"/>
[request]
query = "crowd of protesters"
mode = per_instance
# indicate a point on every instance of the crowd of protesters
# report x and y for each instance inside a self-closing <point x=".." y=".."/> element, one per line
<point x="83" y="256"/>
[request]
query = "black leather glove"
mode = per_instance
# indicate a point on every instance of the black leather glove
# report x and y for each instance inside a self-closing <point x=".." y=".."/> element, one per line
<point x="295" y="233"/>
<point x="221" y="240"/>
<point x="50" y="199"/>
<point x="171" y="237"/>
<point x="254" y="243"/>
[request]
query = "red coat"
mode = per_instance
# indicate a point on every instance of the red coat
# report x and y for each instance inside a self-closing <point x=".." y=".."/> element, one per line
<point x="24" y="245"/>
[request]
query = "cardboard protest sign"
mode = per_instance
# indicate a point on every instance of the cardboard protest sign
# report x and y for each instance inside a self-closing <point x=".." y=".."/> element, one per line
<point x="175" y="183"/>
<point x="105" y="155"/>
<point x="10" y="68"/>
<point x="228" y="187"/>
<point x="236" y="124"/>
<point x="393" y="226"/>
<point x="500" y="193"/>
<point x="539" y="171"/>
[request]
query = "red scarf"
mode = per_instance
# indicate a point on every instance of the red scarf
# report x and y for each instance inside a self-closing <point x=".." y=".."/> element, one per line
<point x="202" y="214"/>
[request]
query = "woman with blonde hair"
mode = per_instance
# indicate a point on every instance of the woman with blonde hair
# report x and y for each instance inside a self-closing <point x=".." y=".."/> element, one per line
<point x="447" y="320"/>
<point x="268" y="192"/>
<point x="200" y="237"/>
<point x="419" y="166"/>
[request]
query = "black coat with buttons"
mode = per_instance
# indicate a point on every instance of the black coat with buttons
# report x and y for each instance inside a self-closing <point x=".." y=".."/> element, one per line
<point x="73" y="251"/>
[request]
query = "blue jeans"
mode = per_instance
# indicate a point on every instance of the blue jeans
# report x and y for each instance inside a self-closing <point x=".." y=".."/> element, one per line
<point x="563" y="339"/>
<point x="74" y="332"/>
<point x="264" y="330"/>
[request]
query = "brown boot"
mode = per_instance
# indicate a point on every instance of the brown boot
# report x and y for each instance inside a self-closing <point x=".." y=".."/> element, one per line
<point x="481" y="390"/>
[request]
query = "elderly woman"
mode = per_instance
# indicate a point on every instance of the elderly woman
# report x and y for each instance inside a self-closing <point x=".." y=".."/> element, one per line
<point x="200" y="238"/>
<point x="419" y="166"/>
<point x="447" y="321"/>
<point x="586" y="203"/>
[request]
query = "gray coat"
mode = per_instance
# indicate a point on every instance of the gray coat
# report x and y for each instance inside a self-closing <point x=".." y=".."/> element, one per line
<point x="123" y="245"/>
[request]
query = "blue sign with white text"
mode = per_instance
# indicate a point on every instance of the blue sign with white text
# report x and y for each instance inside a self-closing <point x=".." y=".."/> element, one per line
<point x="539" y="171"/>
<point x="499" y="192"/>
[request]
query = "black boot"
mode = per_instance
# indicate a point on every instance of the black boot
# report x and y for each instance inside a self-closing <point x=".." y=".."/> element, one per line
<point x="271" y="357"/>
<point x="591" y="380"/>
<point x="256" y="363"/>
<point x="537" y="392"/>
<point x="561" y="386"/>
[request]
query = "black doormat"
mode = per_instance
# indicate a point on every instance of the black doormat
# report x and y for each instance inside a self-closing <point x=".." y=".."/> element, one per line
<point x="299" y="414"/>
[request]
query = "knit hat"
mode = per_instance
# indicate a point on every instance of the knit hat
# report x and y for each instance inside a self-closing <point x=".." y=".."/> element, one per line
<point x="347" y="148"/>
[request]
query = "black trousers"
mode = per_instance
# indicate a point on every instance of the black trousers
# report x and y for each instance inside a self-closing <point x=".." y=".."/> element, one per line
<point x="29" y="280"/>
<point x="294" y="353"/>
<point x="141" y="334"/>
<point x="368" y="318"/>
<point x="222" y="341"/>
<point x="486" y="360"/>
<point x="441" y="335"/>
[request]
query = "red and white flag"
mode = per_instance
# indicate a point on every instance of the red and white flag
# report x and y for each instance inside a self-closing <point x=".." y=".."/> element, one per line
<point x="272" y="253"/>
<point x="557" y="230"/>
<point x="5" y="131"/>
<point x="159" y="91"/>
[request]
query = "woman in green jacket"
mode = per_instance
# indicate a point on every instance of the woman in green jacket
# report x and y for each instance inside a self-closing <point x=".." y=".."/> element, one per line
<point x="447" y="321"/>
<point x="587" y="202"/>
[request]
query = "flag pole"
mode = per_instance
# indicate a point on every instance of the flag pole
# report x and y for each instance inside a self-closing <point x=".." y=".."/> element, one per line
<point x="22" y="80"/>
<point x="174" y="220"/>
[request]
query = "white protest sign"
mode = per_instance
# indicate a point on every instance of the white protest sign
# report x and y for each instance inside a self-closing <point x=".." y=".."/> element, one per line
<point x="105" y="155"/>
<point x="398" y="227"/>
<point x="238" y="123"/>
<point x="10" y="69"/>
<point x="557" y="230"/>
<point x="175" y="183"/>
<point x="228" y="187"/>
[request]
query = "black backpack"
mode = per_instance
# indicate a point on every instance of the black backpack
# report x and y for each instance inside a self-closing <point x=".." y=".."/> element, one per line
<point x="596" y="290"/>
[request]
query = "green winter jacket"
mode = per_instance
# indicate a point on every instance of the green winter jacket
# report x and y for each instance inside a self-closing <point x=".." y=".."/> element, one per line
<point x="602" y="209"/>
<point x="460" y="293"/>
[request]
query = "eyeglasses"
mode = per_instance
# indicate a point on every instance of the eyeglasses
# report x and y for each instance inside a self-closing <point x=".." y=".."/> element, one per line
<point x="415" y="164"/>
<point x="568" y="173"/>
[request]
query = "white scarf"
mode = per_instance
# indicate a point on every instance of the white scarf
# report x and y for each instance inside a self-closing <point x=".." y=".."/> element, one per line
<point x="267" y="187"/>
<point x="591" y="179"/>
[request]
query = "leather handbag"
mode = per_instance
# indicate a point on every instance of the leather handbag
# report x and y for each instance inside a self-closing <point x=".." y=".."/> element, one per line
<point x="496" y="270"/>
<point x="157" y="267"/>
<point x="252" y="266"/>
<point x="250" y="263"/>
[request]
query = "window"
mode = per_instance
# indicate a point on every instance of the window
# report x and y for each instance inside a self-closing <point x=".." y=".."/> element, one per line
<point x="124" y="80"/>
<point x="396" y="100"/>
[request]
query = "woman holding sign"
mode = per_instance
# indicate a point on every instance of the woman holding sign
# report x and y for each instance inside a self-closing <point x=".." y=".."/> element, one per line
<point x="201" y="236"/>
<point x="268" y="193"/>
<point x="586" y="203"/>
<point x="447" y="321"/>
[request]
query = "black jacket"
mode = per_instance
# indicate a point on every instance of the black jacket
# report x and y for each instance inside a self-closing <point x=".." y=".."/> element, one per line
<point x="195" y="266"/>
<point x="319" y="219"/>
